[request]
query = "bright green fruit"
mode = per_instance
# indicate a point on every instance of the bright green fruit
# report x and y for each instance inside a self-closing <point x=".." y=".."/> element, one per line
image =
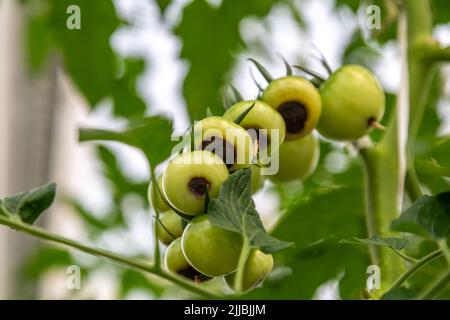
<point x="257" y="178"/>
<point x="170" y="226"/>
<point x="298" y="102"/>
<point x="353" y="102"/>
<point x="229" y="141"/>
<point x="265" y="125"/>
<point x="211" y="250"/>
<point x="298" y="159"/>
<point x="189" y="176"/>
<point x="154" y="197"/>
<point x="257" y="267"/>
<point x="175" y="262"/>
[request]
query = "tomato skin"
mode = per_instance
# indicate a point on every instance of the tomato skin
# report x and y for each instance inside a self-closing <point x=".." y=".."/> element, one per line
<point x="298" y="159"/>
<point x="352" y="97"/>
<point x="257" y="267"/>
<point x="174" y="261"/>
<point x="212" y="251"/>
<point x="237" y="140"/>
<point x="257" y="178"/>
<point x="262" y="116"/>
<point x="185" y="168"/>
<point x="170" y="226"/>
<point x="154" y="197"/>
<point x="298" y="90"/>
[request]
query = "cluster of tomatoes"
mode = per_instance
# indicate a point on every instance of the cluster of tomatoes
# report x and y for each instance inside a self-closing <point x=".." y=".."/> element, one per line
<point x="344" y="107"/>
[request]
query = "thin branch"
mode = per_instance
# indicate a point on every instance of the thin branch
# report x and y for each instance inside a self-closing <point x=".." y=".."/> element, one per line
<point x="416" y="267"/>
<point x="129" y="262"/>
<point x="437" y="287"/>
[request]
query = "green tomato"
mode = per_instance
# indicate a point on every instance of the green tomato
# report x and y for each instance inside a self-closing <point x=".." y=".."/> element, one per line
<point x="155" y="198"/>
<point x="266" y="126"/>
<point x="257" y="178"/>
<point x="189" y="176"/>
<point x="170" y="226"/>
<point x="257" y="267"/>
<point x="232" y="143"/>
<point x="298" y="102"/>
<point x="212" y="251"/>
<point x="175" y="262"/>
<point x="298" y="159"/>
<point x="353" y="101"/>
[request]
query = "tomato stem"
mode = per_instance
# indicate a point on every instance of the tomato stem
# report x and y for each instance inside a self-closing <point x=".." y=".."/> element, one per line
<point x="129" y="262"/>
<point x="245" y="251"/>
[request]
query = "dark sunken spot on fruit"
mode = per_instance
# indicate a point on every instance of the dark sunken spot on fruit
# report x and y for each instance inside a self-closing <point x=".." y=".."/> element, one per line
<point x="294" y="114"/>
<point x="221" y="148"/>
<point x="370" y="121"/>
<point x="193" y="274"/>
<point x="198" y="186"/>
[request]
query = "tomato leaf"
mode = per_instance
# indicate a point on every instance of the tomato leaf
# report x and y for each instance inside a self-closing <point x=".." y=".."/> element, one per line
<point x="234" y="210"/>
<point x="30" y="204"/>
<point x="151" y="135"/>
<point x="388" y="242"/>
<point x="429" y="215"/>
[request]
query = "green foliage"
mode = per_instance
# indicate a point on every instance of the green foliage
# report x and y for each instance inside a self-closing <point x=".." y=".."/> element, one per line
<point x="46" y="258"/>
<point x="388" y="242"/>
<point x="28" y="205"/>
<point x="314" y="223"/>
<point x="441" y="11"/>
<point x="132" y="280"/>
<point x="210" y="38"/>
<point x="428" y="215"/>
<point x="234" y="210"/>
<point x="152" y="135"/>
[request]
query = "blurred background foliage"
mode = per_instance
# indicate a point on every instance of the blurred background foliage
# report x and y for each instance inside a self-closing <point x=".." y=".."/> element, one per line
<point x="315" y="215"/>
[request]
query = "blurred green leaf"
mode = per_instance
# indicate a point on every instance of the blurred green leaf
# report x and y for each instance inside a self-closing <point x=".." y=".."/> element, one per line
<point x="152" y="135"/>
<point x="400" y="293"/>
<point x="429" y="215"/>
<point x="44" y="259"/>
<point x="210" y="38"/>
<point x="163" y="4"/>
<point x="131" y="280"/>
<point x="87" y="52"/>
<point x="334" y="211"/>
<point x="127" y="103"/>
<point x="234" y="210"/>
<point x="121" y="184"/>
<point x="29" y="205"/>
<point x="441" y="11"/>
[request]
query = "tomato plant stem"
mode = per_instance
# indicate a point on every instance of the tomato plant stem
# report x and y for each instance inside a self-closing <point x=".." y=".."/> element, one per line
<point x="238" y="280"/>
<point x="130" y="262"/>
<point x="157" y="251"/>
<point x="416" y="267"/>
<point x="437" y="287"/>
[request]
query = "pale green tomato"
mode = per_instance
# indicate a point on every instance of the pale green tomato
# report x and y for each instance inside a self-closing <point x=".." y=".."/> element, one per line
<point x="298" y="102"/>
<point x="257" y="178"/>
<point x="266" y="126"/>
<point x="212" y="251"/>
<point x="170" y="226"/>
<point x="257" y="267"/>
<point x="155" y="198"/>
<point x="297" y="159"/>
<point x="189" y="176"/>
<point x="175" y="262"/>
<point x="352" y="101"/>
<point x="232" y="143"/>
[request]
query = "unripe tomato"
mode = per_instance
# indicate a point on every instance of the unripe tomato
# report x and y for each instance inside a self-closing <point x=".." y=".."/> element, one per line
<point x="175" y="262"/>
<point x="257" y="267"/>
<point x="263" y="122"/>
<point x="155" y="198"/>
<point x="211" y="250"/>
<point x="298" y="102"/>
<point x="189" y="176"/>
<point x="353" y="101"/>
<point x="170" y="226"/>
<point x="298" y="159"/>
<point x="232" y="143"/>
